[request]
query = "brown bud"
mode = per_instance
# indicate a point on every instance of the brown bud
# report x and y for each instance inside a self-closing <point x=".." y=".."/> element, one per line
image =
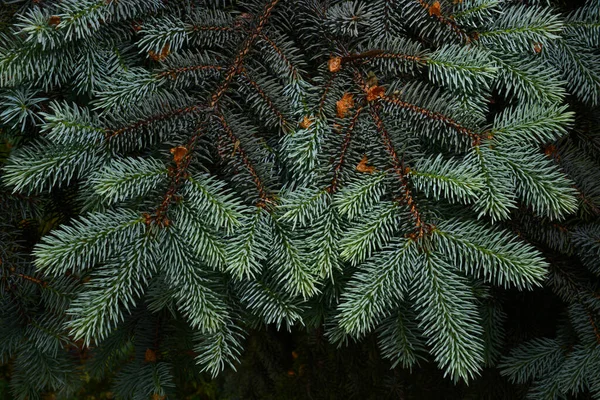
<point x="179" y="153"/>
<point x="375" y="92"/>
<point x="54" y="20"/>
<point x="344" y="105"/>
<point x="363" y="167"/>
<point x="306" y="122"/>
<point x="150" y="356"/>
<point x="164" y="52"/>
<point x="334" y="64"/>
<point x="435" y="9"/>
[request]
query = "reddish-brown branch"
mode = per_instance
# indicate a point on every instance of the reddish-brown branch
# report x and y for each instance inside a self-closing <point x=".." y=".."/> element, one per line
<point x="282" y="121"/>
<point x="280" y="53"/>
<point x="400" y="169"/>
<point x="234" y="69"/>
<point x="371" y="54"/>
<point x="345" y="145"/>
<point x="436" y="116"/>
<point x="174" y="72"/>
<point x="326" y="91"/>
<point x="32" y="279"/>
<point x="264" y="196"/>
<point x="595" y="327"/>
<point x="155" y="118"/>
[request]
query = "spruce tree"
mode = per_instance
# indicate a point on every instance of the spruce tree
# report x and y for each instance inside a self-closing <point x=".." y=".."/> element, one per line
<point x="197" y="169"/>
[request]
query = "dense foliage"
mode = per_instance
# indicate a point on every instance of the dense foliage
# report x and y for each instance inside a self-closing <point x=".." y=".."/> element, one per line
<point x="180" y="176"/>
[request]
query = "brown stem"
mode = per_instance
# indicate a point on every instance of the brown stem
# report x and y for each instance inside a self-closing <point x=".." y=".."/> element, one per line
<point x="155" y="118"/>
<point x="282" y="121"/>
<point x="434" y="116"/>
<point x="345" y="145"/>
<point x="172" y="73"/>
<point x="264" y="196"/>
<point x="400" y="169"/>
<point x="32" y="279"/>
<point x="234" y="68"/>
<point x="381" y="54"/>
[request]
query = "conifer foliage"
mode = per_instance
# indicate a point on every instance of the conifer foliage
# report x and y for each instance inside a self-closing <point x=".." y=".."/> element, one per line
<point x="199" y="168"/>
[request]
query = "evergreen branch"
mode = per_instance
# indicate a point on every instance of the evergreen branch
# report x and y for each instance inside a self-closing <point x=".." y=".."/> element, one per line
<point x="579" y="368"/>
<point x="234" y="69"/>
<point x="213" y="201"/>
<point x="490" y="253"/>
<point x="90" y="240"/>
<point x="217" y="349"/>
<point x="497" y="198"/>
<point x="294" y="71"/>
<point x="44" y="165"/>
<point x="400" y="339"/>
<point x="128" y="178"/>
<point x="533" y="124"/>
<point x="540" y="183"/>
<point x="519" y="26"/>
<point x="287" y="259"/>
<point x="377" y="287"/>
<point x="326" y="90"/>
<point x="71" y="124"/>
<point x="434" y="11"/>
<point x="303" y="206"/>
<point x="248" y="248"/>
<point x="528" y="79"/>
<point x="357" y="198"/>
<point x="446" y="308"/>
<point x="271" y="303"/>
<point x="113" y="288"/>
<point x="203" y="241"/>
<point x="205" y="309"/>
<point x="533" y="359"/>
<point x="371" y="233"/>
<point x="462" y="68"/>
<point x="436" y="177"/>
<point x="173" y="73"/>
<point x="382" y="54"/>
